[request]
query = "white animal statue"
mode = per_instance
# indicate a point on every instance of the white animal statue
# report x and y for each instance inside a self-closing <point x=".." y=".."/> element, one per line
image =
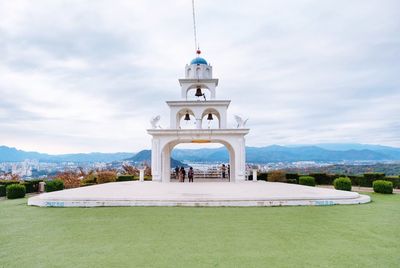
<point x="154" y="122"/>
<point x="240" y="122"/>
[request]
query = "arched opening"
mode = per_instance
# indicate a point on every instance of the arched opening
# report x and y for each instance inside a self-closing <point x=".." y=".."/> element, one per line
<point x="191" y="93"/>
<point x="210" y="161"/>
<point x="182" y="119"/>
<point x="210" y="119"/>
<point x="199" y="73"/>
<point x="208" y="75"/>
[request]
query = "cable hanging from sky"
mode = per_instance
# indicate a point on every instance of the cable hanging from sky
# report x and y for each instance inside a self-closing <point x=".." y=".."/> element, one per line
<point x="196" y="45"/>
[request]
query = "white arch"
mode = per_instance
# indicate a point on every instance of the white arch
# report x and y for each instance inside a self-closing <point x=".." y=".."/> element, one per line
<point x="166" y="158"/>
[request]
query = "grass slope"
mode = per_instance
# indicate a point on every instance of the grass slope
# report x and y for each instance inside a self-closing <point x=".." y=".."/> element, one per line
<point x="338" y="236"/>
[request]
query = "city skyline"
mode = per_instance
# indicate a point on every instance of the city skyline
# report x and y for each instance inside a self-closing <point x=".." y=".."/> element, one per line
<point x="87" y="76"/>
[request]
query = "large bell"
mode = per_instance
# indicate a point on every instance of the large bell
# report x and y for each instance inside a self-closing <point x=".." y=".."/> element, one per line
<point x="187" y="116"/>
<point x="210" y="117"/>
<point x="198" y="92"/>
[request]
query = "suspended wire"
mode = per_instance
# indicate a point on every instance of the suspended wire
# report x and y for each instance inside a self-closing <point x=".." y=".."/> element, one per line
<point x="194" y="28"/>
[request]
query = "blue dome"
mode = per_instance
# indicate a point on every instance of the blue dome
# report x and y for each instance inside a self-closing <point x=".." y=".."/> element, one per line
<point x="198" y="60"/>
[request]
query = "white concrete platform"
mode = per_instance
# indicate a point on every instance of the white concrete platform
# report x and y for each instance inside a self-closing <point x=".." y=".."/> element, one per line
<point x="196" y="194"/>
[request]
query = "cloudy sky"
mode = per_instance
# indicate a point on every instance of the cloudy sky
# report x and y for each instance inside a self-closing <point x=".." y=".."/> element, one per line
<point x="82" y="76"/>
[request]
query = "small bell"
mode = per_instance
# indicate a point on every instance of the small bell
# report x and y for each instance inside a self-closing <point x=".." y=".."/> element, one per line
<point x="187" y="116"/>
<point x="198" y="92"/>
<point x="210" y="117"/>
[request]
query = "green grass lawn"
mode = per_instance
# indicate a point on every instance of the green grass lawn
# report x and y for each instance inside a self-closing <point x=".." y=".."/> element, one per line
<point x="339" y="236"/>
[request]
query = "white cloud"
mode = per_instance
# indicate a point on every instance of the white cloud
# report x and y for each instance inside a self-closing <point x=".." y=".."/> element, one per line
<point x="79" y="76"/>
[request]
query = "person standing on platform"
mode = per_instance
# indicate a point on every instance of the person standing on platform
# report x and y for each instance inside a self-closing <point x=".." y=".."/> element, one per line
<point x="183" y="174"/>
<point x="223" y="168"/>
<point x="229" y="171"/>
<point x="177" y="172"/>
<point x="190" y="174"/>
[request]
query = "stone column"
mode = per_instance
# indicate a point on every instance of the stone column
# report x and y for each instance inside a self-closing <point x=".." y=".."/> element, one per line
<point x="156" y="160"/>
<point x="240" y="152"/>
<point x="198" y="123"/>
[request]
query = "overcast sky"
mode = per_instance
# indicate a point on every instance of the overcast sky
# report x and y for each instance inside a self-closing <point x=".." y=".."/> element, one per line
<point x="83" y="76"/>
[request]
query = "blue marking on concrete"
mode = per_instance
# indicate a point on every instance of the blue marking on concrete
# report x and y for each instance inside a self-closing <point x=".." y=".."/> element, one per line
<point x="54" y="204"/>
<point x="324" y="203"/>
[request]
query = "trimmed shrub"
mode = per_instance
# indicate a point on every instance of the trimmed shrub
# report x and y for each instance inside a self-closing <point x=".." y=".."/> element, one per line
<point x="2" y="190"/>
<point x="369" y="178"/>
<point x="292" y="177"/>
<point x="106" y="176"/>
<point x="148" y="178"/>
<point x="125" y="178"/>
<point x="276" y="176"/>
<point x="15" y="191"/>
<point x="342" y="183"/>
<point x="307" y="180"/>
<point x="54" y="185"/>
<point x="395" y="180"/>
<point x="383" y="187"/>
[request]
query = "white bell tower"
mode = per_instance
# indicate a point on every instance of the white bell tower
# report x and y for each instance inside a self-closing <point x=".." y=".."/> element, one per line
<point x="196" y="107"/>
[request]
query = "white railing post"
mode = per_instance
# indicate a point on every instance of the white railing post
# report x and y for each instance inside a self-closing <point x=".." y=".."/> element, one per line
<point x="141" y="174"/>
<point x="254" y="174"/>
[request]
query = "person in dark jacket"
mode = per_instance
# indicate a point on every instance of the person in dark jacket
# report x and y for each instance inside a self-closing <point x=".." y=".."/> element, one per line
<point x="223" y="169"/>
<point x="183" y="172"/>
<point x="190" y="174"/>
<point x="177" y="172"/>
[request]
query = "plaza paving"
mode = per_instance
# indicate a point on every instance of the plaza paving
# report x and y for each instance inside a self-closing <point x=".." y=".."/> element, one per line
<point x="135" y="193"/>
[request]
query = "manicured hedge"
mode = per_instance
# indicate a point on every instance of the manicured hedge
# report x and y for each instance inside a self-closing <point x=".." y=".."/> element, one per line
<point x="292" y="177"/>
<point x="32" y="186"/>
<point x="15" y="191"/>
<point x="342" y="183"/>
<point x="383" y="187"/>
<point x="369" y="178"/>
<point x="54" y="185"/>
<point x="355" y="179"/>
<point x="125" y="178"/>
<point x="262" y="176"/>
<point x="307" y="180"/>
<point x="2" y="190"/>
<point x="395" y="180"/>
<point x="4" y="184"/>
<point x="8" y="182"/>
<point x="322" y="178"/>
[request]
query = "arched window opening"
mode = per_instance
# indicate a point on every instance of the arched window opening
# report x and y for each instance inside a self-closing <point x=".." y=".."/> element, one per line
<point x="186" y="119"/>
<point x="191" y="94"/>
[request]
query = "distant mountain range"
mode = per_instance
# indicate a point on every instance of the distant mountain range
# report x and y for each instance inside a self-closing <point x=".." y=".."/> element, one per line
<point x="145" y="156"/>
<point x="276" y="153"/>
<point x="8" y="154"/>
<point x="273" y="153"/>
